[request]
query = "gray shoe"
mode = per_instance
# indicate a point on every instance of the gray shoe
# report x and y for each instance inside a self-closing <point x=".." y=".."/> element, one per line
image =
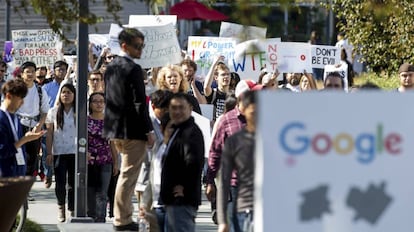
<point x="61" y="213"/>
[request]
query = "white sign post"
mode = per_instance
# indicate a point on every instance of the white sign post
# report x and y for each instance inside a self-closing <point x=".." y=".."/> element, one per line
<point x="317" y="169"/>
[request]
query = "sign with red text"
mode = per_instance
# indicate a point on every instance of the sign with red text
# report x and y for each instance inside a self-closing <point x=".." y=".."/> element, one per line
<point x="317" y="169"/>
<point x="204" y="49"/>
<point x="292" y="57"/>
<point x="43" y="47"/>
<point x="324" y="55"/>
<point x="253" y="55"/>
<point x="161" y="45"/>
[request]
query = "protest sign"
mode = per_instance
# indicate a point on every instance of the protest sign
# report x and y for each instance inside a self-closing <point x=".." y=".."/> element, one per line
<point x="291" y="57"/>
<point x="324" y="55"/>
<point x="204" y="49"/>
<point x="99" y="42"/>
<point x="253" y="55"/>
<point x="204" y="124"/>
<point x="241" y="32"/>
<point x="151" y="20"/>
<point x="341" y="68"/>
<point x="43" y="47"/>
<point x="8" y="46"/>
<point x="317" y="170"/>
<point x="161" y="45"/>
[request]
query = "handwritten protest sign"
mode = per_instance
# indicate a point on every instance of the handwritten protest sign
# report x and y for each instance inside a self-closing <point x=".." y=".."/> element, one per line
<point x="43" y="47"/>
<point x="161" y="45"/>
<point x="253" y="55"/>
<point x="341" y="68"/>
<point x="99" y="41"/>
<point x="151" y="20"/>
<point x="241" y="32"/>
<point x="324" y="55"/>
<point x="204" y="49"/>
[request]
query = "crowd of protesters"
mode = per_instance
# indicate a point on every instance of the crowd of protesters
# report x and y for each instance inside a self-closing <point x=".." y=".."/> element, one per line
<point x="140" y="131"/>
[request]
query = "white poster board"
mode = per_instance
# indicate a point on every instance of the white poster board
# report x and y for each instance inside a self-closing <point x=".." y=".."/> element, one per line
<point x="204" y="49"/>
<point x="253" y="55"/>
<point x="241" y="32"/>
<point x="161" y="45"/>
<point x="204" y="124"/>
<point x="324" y="55"/>
<point x="317" y="169"/>
<point x="43" y="47"/>
<point x="99" y="41"/>
<point x="151" y="20"/>
<point x="293" y="57"/>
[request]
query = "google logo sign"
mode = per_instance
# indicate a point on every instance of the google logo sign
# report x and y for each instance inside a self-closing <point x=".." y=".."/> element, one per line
<point x="295" y="140"/>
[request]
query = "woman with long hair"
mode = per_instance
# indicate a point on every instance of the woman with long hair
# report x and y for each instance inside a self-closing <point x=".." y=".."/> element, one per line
<point x="102" y="159"/>
<point x="61" y="147"/>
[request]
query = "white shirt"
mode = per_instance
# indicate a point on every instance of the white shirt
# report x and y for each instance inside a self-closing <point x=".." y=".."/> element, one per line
<point x="64" y="140"/>
<point x="30" y="107"/>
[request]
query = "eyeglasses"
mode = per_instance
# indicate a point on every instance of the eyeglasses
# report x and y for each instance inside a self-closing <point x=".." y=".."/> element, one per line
<point x="98" y="102"/>
<point x="60" y="70"/>
<point x="28" y="72"/>
<point x="95" y="79"/>
<point x="110" y="57"/>
<point x="138" y="46"/>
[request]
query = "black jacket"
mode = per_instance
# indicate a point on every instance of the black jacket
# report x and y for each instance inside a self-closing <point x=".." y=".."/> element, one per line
<point x="126" y="112"/>
<point x="183" y="165"/>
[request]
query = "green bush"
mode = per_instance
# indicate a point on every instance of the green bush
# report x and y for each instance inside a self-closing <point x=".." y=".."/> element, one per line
<point x="383" y="81"/>
<point x="31" y="226"/>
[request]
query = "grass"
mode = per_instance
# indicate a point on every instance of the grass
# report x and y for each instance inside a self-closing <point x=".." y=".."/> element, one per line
<point x="31" y="226"/>
<point x="383" y="81"/>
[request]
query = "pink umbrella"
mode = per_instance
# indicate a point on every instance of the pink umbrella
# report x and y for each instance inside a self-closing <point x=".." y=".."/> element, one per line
<point x="193" y="10"/>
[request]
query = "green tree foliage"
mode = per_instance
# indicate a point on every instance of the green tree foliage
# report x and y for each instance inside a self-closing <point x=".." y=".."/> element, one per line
<point x="380" y="30"/>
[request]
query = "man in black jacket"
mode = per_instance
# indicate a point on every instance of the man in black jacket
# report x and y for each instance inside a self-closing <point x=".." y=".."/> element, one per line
<point x="127" y="122"/>
<point x="183" y="164"/>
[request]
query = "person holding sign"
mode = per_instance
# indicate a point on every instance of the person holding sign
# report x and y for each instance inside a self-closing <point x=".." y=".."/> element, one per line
<point x="334" y="81"/>
<point x="238" y="154"/>
<point x="12" y="157"/>
<point x="221" y="73"/>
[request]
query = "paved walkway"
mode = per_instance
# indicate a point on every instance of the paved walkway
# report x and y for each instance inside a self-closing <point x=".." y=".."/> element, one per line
<point x="44" y="212"/>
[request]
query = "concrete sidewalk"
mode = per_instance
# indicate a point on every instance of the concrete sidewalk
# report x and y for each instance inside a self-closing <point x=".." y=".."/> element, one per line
<point x="43" y="210"/>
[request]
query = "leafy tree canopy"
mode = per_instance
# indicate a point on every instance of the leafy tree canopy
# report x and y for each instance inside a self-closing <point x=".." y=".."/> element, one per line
<point x="380" y="30"/>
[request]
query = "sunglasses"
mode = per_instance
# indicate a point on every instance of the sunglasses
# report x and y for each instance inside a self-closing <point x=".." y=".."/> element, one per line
<point x="110" y="57"/>
<point x="138" y="46"/>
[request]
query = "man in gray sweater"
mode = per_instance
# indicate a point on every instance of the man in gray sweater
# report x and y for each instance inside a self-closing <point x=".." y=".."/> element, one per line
<point x="238" y="154"/>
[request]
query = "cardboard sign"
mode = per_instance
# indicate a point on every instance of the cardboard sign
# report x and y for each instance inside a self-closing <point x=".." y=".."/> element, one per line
<point x="99" y="41"/>
<point x="161" y="45"/>
<point x="324" y="55"/>
<point x="43" y="47"/>
<point x="204" y="49"/>
<point x="317" y="170"/>
<point x="241" y="32"/>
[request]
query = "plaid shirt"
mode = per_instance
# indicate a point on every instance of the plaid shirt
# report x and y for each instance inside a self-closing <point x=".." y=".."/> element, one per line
<point x="230" y="123"/>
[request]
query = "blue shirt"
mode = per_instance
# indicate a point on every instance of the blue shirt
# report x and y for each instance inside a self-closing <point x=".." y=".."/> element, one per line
<point x="52" y="89"/>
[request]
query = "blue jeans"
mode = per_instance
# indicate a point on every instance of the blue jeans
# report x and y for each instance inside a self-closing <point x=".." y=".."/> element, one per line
<point x="161" y="218"/>
<point x="181" y="218"/>
<point x="65" y="169"/>
<point x="245" y="220"/>
<point x="98" y="189"/>
<point x="232" y="210"/>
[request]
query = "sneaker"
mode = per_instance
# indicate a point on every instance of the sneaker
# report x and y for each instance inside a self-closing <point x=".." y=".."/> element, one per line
<point x="61" y="213"/>
<point x="48" y="182"/>
<point x="130" y="227"/>
<point x="30" y="197"/>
